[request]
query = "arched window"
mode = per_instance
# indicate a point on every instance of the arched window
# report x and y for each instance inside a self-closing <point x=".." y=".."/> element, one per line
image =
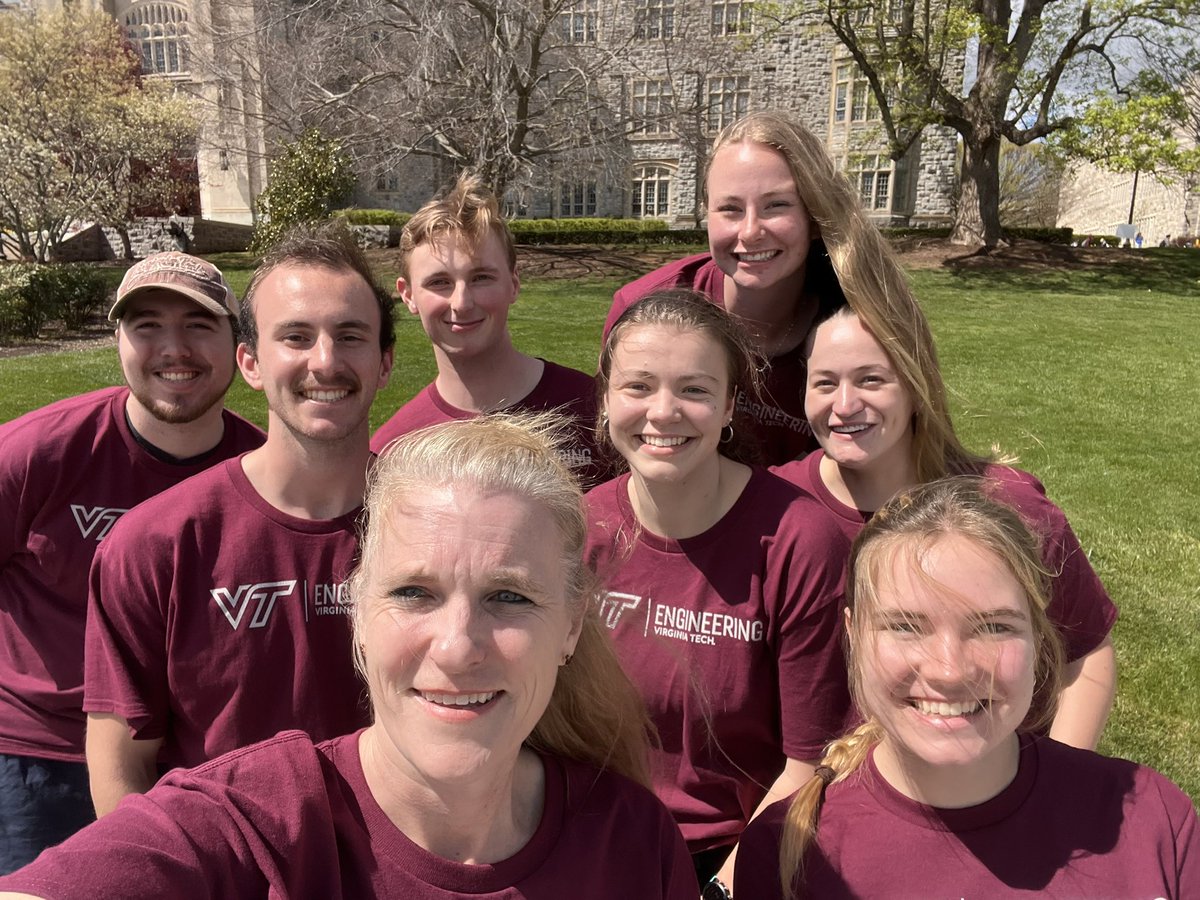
<point x="651" y="194"/>
<point x="159" y="32"/>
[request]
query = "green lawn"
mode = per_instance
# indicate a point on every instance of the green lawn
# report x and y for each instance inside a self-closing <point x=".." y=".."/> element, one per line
<point x="1087" y="375"/>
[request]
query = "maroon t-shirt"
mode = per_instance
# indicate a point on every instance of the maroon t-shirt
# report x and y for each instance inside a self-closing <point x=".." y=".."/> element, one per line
<point x="782" y="430"/>
<point x="68" y="471"/>
<point x="562" y="389"/>
<point x="1072" y="824"/>
<point x="286" y="818"/>
<point x="733" y="638"/>
<point x="215" y="621"/>
<point x="1079" y="605"/>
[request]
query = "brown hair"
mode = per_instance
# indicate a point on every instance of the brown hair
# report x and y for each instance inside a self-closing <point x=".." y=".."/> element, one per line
<point x="468" y="211"/>
<point x="689" y="311"/>
<point x="326" y="245"/>
<point x="595" y="715"/>
<point x="905" y="528"/>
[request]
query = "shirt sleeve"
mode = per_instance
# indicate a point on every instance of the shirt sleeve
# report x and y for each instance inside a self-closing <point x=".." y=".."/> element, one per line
<point x="125" y="655"/>
<point x="169" y="843"/>
<point x="814" y="696"/>
<point x="756" y="870"/>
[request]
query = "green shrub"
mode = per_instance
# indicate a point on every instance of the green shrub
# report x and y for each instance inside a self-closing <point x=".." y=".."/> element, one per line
<point x="32" y="295"/>
<point x="602" y="231"/>
<point x="307" y="180"/>
<point x="1042" y="235"/>
<point x="355" y="216"/>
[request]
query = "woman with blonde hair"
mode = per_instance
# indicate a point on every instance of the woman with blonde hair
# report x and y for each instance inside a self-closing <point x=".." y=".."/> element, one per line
<point x="877" y="404"/>
<point x="948" y="789"/>
<point x="724" y="582"/>
<point x="788" y="239"/>
<point x="507" y="745"/>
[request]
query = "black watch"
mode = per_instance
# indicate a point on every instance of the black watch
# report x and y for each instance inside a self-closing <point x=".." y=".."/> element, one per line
<point x="715" y="890"/>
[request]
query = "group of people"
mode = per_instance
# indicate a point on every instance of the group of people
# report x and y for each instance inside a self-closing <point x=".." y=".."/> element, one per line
<point x="795" y="639"/>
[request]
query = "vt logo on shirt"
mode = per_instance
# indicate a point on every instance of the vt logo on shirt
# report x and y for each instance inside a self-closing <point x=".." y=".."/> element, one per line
<point x="678" y="622"/>
<point x="97" y="521"/>
<point x="615" y="603"/>
<point x="263" y="595"/>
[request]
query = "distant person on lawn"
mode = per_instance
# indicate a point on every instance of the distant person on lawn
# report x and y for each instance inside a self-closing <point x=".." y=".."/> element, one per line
<point x="458" y="273"/>
<point x="68" y="471"/>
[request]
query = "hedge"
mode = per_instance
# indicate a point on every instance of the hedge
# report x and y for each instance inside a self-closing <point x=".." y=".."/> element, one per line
<point x="32" y="295"/>
<point x="355" y="216"/>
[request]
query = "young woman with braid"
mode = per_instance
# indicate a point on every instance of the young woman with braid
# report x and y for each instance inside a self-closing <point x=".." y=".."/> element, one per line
<point x="948" y="788"/>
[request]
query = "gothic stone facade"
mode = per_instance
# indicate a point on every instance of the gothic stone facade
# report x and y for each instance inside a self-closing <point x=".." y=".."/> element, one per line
<point x="685" y="69"/>
<point x="682" y="70"/>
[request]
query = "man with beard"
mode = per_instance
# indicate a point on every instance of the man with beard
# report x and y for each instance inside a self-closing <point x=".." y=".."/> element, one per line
<point x="67" y="472"/>
<point x="218" y="614"/>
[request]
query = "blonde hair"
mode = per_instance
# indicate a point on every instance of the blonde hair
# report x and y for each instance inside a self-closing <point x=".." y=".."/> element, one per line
<point x="861" y="270"/>
<point x="689" y="311"/>
<point x="905" y="528"/>
<point x="467" y="211"/>
<point x="595" y="714"/>
<point x="908" y="344"/>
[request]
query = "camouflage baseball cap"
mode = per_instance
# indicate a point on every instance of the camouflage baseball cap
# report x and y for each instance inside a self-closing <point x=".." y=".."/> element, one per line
<point x="180" y="273"/>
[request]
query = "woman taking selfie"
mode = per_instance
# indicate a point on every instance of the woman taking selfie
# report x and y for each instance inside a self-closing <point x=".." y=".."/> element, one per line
<point x="884" y="425"/>
<point x="788" y="240"/>
<point x="506" y="742"/>
<point x="723" y="580"/>
<point x="948" y="789"/>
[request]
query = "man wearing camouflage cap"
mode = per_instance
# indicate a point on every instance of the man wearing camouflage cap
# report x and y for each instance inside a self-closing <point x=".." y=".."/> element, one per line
<point x="67" y="472"/>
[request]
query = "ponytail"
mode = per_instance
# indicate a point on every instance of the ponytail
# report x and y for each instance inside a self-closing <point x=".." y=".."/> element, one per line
<point x="842" y="758"/>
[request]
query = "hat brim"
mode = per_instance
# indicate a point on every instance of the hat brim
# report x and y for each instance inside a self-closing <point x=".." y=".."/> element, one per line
<point x="114" y="314"/>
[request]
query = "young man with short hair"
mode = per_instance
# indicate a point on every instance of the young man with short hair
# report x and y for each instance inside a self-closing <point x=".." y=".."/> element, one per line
<point x="218" y="613"/>
<point x="459" y="275"/>
<point x="68" y="471"/>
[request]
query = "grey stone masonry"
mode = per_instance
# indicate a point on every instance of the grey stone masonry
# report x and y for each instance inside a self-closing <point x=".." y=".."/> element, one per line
<point x="675" y="78"/>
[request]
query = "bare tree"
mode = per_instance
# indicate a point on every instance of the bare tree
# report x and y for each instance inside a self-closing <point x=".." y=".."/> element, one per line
<point x="523" y="91"/>
<point x="1030" y="67"/>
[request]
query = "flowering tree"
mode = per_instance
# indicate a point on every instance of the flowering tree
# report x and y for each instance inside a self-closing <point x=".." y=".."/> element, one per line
<point x="83" y="137"/>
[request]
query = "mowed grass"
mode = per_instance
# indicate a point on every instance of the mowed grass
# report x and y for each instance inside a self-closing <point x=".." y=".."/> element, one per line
<point x="1087" y="375"/>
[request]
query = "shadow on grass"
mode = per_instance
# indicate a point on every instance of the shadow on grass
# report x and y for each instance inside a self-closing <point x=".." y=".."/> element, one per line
<point x="1064" y="271"/>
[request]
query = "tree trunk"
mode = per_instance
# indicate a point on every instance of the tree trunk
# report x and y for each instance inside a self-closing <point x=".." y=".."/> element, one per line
<point x="977" y="220"/>
<point x="126" y="245"/>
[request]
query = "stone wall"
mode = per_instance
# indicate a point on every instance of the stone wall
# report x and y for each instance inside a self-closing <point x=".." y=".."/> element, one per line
<point x="792" y="71"/>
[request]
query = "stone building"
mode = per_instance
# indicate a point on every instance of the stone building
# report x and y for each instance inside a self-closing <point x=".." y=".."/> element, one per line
<point x="684" y="69"/>
<point x="1093" y="201"/>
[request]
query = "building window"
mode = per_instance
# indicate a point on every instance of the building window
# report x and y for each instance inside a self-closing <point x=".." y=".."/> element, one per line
<point x="874" y="181"/>
<point x="732" y="17"/>
<point x="577" y="199"/>
<point x="388" y="183"/>
<point x="654" y="19"/>
<point x="651" y="192"/>
<point x="652" y="106"/>
<point x="728" y="100"/>
<point x="852" y="96"/>
<point x="159" y="32"/>
<point x="578" y="22"/>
